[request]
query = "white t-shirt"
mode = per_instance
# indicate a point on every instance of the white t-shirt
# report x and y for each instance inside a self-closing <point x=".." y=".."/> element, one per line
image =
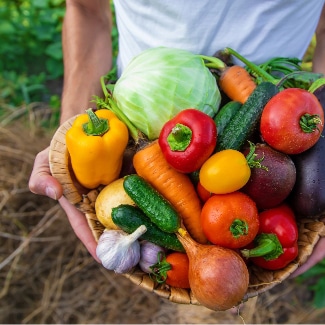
<point x="257" y="29"/>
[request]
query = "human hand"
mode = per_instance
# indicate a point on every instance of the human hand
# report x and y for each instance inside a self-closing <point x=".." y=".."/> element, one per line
<point x="41" y="182"/>
<point x="317" y="255"/>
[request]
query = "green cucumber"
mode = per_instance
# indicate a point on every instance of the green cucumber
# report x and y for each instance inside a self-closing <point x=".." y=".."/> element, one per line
<point x="152" y="203"/>
<point x="129" y="218"/>
<point x="245" y="121"/>
<point x="225" y="115"/>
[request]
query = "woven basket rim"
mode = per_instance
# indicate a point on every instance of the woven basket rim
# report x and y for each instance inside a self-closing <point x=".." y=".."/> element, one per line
<point x="261" y="280"/>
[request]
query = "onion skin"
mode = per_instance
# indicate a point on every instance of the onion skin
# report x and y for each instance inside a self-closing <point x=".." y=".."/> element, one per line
<point x="218" y="276"/>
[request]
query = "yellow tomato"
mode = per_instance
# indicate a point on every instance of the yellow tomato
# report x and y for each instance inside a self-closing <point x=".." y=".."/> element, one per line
<point x="224" y="172"/>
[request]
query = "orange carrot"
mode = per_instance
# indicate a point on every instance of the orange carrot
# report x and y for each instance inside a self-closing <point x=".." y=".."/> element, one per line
<point x="176" y="187"/>
<point x="236" y="83"/>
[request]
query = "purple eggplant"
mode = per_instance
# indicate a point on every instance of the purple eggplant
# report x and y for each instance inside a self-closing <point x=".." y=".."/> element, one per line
<point x="308" y="195"/>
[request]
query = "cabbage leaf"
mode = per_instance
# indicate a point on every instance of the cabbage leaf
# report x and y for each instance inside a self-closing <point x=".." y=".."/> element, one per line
<point x="159" y="83"/>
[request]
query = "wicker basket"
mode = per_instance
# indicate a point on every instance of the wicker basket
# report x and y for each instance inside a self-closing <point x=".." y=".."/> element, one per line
<point x="261" y="280"/>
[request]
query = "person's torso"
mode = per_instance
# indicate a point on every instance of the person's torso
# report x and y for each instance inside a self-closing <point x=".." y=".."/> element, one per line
<point x="257" y="29"/>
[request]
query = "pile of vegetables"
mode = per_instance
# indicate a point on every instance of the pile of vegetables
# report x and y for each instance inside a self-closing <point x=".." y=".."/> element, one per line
<point x="226" y="160"/>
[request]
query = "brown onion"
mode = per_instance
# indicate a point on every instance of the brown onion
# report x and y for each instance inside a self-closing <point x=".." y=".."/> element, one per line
<point x="218" y="276"/>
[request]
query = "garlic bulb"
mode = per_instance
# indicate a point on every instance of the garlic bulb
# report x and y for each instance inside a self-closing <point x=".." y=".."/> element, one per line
<point x="149" y="255"/>
<point x="119" y="251"/>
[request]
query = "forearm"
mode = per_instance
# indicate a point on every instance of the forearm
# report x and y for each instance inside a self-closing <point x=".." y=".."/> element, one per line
<point x="87" y="53"/>
<point x="319" y="53"/>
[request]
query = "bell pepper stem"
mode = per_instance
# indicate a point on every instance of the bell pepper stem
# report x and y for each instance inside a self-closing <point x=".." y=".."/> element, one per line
<point x="268" y="246"/>
<point x="180" y="137"/>
<point x="95" y="126"/>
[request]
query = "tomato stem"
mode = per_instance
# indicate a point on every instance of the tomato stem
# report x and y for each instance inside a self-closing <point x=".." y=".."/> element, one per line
<point x="180" y="137"/>
<point x="239" y="228"/>
<point x="160" y="269"/>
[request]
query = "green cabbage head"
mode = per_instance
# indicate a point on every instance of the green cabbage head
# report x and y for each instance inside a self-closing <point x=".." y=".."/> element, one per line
<point x="159" y="83"/>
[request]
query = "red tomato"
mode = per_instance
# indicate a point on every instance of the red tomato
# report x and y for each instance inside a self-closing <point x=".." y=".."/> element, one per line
<point x="172" y="269"/>
<point x="292" y="121"/>
<point x="230" y="220"/>
<point x="177" y="276"/>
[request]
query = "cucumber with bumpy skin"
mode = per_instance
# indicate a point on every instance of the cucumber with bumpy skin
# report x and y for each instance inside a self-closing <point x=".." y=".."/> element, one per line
<point x="225" y="115"/>
<point x="152" y="203"/>
<point x="245" y="121"/>
<point x="129" y="218"/>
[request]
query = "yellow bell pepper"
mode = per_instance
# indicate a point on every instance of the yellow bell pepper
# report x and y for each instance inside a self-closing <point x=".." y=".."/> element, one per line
<point x="96" y="143"/>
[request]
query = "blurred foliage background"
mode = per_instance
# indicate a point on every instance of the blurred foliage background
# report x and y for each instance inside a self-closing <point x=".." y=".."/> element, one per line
<point x="31" y="68"/>
<point x="31" y="49"/>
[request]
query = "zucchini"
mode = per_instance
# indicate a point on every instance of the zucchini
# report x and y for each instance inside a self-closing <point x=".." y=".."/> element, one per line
<point x="225" y="115"/>
<point x="129" y="218"/>
<point x="245" y="121"/>
<point x="152" y="203"/>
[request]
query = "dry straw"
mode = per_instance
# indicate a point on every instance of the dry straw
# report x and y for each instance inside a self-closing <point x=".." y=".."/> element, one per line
<point x="310" y="231"/>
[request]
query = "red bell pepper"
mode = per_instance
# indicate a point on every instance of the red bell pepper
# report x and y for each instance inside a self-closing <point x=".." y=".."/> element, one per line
<point x="188" y="139"/>
<point x="276" y="244"/>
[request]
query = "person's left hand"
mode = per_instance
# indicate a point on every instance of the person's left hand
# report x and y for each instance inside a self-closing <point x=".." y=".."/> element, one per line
<point x="317" y="255"/>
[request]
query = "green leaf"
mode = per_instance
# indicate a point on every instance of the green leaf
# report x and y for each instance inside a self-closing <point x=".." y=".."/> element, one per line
<point x="57" y="2"/>
<point x="54" y="50"/>
<point x="40" y="3"/>
<point x="54" y="68"/>
<point x="6" y="27"/>
<point x="299" y="79"/>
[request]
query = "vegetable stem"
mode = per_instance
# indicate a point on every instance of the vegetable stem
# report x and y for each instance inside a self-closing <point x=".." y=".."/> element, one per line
<point x="214" y="62"/>
<point x="137" y="233"/>
<point x="309" y="123"/>
<point x="102" y="83"/>
<point x="95" y="125"/>
<point x="239" y="228"/>
<point x="109" y="103"/>
<point x="316" y="84"/>
<point x="255" y="68"/>
<point x="159" y="270"/>
<point x="251" y="158"/>
<point x="180" y="137"/>
<point x="268" y="246"/>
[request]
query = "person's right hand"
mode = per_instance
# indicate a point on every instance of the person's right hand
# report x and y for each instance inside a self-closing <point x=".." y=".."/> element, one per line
<point x="41" y="182"/>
